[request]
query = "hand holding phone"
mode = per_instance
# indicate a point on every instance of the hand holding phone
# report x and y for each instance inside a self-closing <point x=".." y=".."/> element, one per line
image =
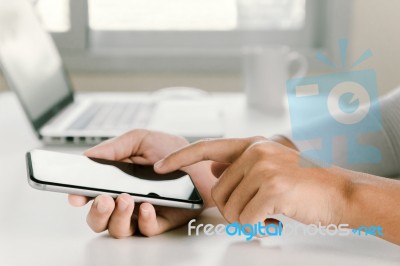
<point x="80" y="175"/>
<point x="143" y="147"/>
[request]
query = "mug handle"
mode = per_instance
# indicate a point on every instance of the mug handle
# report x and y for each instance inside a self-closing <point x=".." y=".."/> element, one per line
<point x="296" y="57"/>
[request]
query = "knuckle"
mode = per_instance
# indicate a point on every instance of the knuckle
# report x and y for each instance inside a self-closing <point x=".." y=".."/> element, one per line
<point x="261" y="150"/>
<point x="258" y="149"/>
<point x="256" y="139"/>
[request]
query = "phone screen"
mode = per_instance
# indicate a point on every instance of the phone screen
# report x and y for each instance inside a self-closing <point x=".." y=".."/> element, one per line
<point x="77" y="171"/>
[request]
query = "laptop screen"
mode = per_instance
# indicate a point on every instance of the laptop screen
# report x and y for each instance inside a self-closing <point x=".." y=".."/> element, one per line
<point x="30" y="61"/>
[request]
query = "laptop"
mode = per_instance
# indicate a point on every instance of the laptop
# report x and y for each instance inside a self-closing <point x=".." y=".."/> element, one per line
<point x="33" y="68"/>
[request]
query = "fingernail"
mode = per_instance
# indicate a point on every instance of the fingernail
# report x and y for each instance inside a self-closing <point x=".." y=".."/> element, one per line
<point x="145" y="212"/>
<point x="122" y="204"/>
<point x="101" y="208"/>
<point x="159" y="164"/>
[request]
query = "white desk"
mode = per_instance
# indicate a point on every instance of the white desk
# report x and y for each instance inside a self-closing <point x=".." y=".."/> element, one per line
<point x="40" y="228"/>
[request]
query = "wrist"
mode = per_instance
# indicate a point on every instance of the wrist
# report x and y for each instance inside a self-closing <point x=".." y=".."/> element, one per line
<point x="360" y="208"/>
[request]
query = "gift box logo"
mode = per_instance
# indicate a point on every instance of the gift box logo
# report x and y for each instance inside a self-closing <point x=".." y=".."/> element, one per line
<point x="344" y="105"/>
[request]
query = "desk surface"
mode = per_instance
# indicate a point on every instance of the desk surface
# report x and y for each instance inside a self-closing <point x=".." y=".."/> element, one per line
<point x="40" y="228"/>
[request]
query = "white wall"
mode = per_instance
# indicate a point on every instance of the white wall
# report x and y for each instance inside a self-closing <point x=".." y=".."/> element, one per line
<point x="375" y="25"/>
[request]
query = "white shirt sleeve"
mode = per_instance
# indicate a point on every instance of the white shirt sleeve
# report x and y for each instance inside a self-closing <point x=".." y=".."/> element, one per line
<point x="387" y="140"/>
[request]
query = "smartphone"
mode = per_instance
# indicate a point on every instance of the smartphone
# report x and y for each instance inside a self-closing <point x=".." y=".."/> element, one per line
<point x="81" y="175"/>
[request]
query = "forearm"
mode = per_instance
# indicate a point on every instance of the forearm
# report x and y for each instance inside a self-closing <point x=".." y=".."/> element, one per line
<point x="374" y="201"/>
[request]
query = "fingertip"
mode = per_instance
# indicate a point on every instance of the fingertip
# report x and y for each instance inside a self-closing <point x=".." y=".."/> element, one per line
<point x="121" y="223"/>
<point x="165" y="166"/>
<point x="124" y="202"/>
<point x="103" y="204"/>
<point x="100" y="150"/>
<point x="77" y="201"/>
<point x="148" y="224"/>
<point x="88" y="152"/>
<point x="93" y="152"/>
<point x="126" y="196"/>
<point x="158" y="166"/>
<point x="100" y="213"/>
<point x="147" y="209"/>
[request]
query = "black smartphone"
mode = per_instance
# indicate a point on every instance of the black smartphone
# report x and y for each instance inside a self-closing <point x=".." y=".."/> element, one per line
<point x="81" y="175"/>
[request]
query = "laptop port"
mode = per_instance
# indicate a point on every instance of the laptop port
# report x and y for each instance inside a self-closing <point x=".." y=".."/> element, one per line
<point x="77" y="140"/>
<point x="69" y="139"/>
<point x="92" y="140"/>
<point x="55" y="140"/>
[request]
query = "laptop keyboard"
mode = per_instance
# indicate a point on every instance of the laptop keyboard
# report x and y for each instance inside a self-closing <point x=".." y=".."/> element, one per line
<point x="113" y="116"/>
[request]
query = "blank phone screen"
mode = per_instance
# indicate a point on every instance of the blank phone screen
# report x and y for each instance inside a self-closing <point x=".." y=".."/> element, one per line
<point x="96" y="174"/>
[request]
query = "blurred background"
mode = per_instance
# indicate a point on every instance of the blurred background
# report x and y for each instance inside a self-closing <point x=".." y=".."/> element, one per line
<point x="142" y="45"/>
